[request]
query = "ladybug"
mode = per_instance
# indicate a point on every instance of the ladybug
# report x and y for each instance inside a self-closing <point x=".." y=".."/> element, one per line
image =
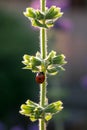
<point x="40" y="77"/>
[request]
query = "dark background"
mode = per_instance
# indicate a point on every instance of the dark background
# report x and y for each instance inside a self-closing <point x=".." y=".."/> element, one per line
<point x="17" y="38"/>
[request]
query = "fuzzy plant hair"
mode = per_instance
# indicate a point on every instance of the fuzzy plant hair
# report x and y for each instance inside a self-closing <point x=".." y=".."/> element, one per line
<point x="43" y="64"/>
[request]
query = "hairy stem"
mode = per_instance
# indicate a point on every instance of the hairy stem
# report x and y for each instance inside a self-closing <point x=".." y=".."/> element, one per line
<point x="43" y="49"/>
<point x="43" y="43"/>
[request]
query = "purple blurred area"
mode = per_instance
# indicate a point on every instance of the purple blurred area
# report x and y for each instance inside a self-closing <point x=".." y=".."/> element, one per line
<point x="83" y="82"/>
<point x="60" y="3"/>
<point x="2" y="126"/>
<point x="33" y="127"/>
<point x="68" y="36"/>
<point x="16" y="128"/>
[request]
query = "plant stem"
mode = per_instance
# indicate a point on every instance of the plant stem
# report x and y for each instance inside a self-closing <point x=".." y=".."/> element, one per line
<point x="43" y="49"/>
<point x="42" y="5"/>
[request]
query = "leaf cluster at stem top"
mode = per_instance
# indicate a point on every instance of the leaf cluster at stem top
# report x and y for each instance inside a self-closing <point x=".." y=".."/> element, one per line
<point x="43" y="19"/>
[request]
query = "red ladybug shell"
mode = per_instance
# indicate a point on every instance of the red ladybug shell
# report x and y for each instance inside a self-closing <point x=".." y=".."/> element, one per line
<point x="40" y="77"/>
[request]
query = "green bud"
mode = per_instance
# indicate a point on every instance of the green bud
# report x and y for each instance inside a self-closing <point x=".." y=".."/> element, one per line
<point x="49" y="23"/>
<point x="48" y="116"/>
<point x="39" y="15"/>
<point x="59" y="15"/>
<point x="26" y="63"/>
<point x="54" y="107"/>
<point x="31" y="63"/>
<point x="50" y="56"/>
<point x="53" y="13"/>
<point x="26" y="113"/>
<point x="35" y="69"/>
<point x="29" y="67"/>
<point x="50" y="12"/>
<point x="37" y="23"/>
<point x="26" y="110"/>
<point x="29" y="102"/>
<point x="35" y="61"/>
<point x="26" y="57"/>
<point x="60" y="60"/>
<point x="52" y="70"/>
<point x="30" y="12"/>
<point x="38" y="111"/>
<point x="38" y="55"/>
<point x="32" y="118"/>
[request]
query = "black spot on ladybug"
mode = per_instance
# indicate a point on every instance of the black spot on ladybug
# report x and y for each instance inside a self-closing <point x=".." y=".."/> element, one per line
<point x="40" y="77"/>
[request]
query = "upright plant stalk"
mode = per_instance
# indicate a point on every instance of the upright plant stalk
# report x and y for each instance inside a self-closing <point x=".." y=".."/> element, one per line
<point x="43" y="64"/>
<point x="43" y="50"/>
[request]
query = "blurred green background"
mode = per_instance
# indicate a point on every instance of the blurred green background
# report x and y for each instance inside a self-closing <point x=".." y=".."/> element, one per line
<point x="17" y="38"/>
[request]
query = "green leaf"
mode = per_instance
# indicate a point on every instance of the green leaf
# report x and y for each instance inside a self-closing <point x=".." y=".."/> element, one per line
<point x="32" y="118"/>
<point x="52" y="70"/>
<point x="37" y="23"/>
<point x="54" y="107"/>
<point x="25" y="62"/>
<point x="60" y="68"/>
<point x="27" y="67"/>
<point x="57" y="12"/>
<point x="33" y="68"/>
<point x="26" y="57"/>
<point x="39" y="15"/>
<point x="26" y="110"/>
<point x="54" y="63"/>
<point x="30" y="12"/>
<point x="32" y="110"/>
<point x="31" y="63"/>
<point x="49" y="23"/>
<point x="38" y="55"/>
<point x="59" y="59"/>
<point x="50" y="56"/>
<point x="58" y="15"/>
<point x="35" y="61"/>
<point x="50" y="12"/>
<point x="29" y="102"/>
<point x="53" y="13"/>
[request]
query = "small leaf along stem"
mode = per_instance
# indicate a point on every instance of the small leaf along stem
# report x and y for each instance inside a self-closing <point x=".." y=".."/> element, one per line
<point x="43" y="50"/>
